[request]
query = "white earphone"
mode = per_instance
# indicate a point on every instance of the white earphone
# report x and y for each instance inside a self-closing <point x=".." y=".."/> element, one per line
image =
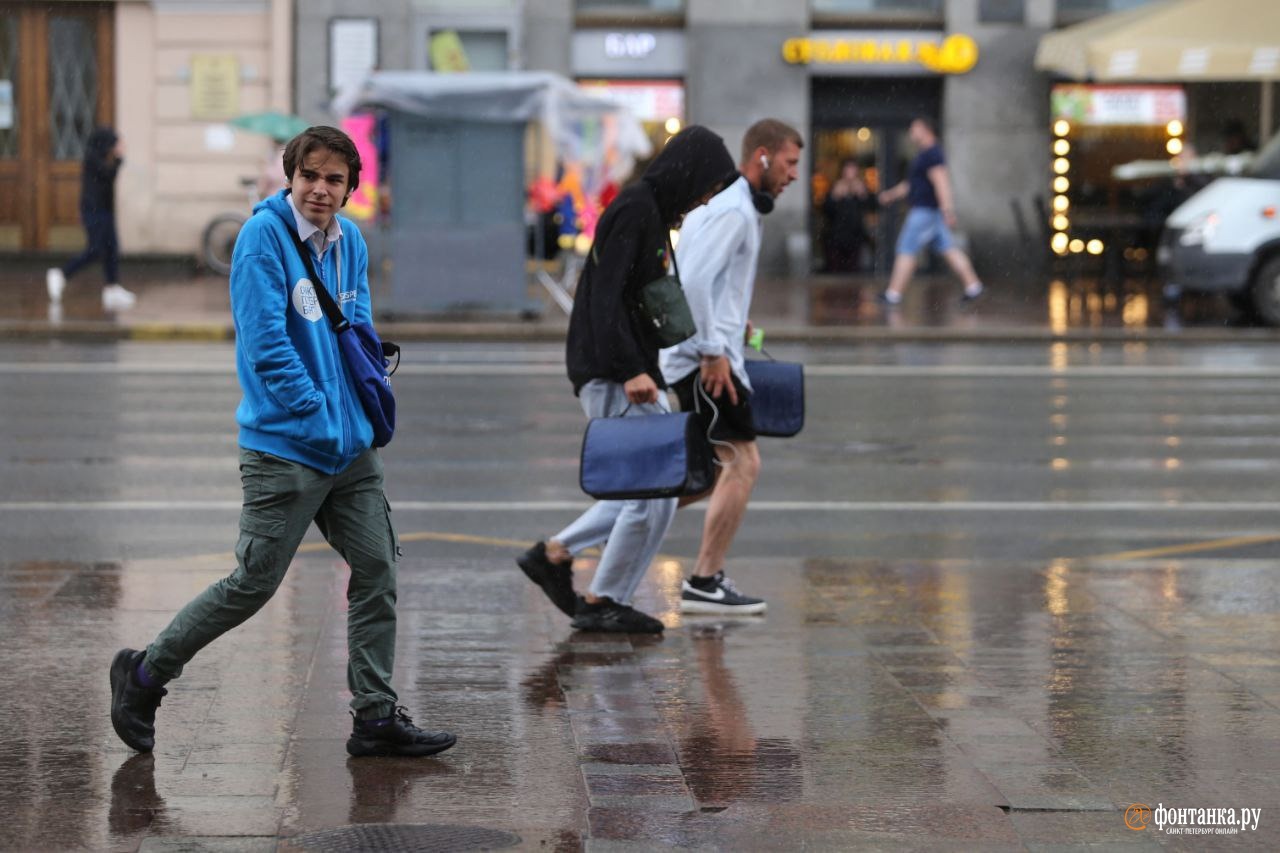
<point x="764" y="161"/>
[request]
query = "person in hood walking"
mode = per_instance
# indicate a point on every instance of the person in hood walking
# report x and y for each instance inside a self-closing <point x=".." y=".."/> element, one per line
<point x="613" y="364"/>
<point x="103" y="154"/>
<point x="305" y="455"/>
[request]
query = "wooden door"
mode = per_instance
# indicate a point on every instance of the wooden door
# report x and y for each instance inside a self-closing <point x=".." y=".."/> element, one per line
<point x="56" y="85"/>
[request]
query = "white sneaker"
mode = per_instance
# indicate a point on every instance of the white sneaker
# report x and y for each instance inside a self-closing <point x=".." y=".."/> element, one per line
<point x="56" y="282"/>
<point x="116" y="298"/>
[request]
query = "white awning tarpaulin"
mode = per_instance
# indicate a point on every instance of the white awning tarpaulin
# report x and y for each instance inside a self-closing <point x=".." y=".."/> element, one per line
<point x="1182" y="41"/>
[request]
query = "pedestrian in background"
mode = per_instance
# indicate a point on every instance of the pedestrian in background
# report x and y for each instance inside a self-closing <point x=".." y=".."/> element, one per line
<point x="305" y="455"/>
<point x="930" y="216"/>
<point x="103" y="155"/>
<point x="844" y="213"/>
<point x="613" y="364"/>
<point x="719" y="251"/>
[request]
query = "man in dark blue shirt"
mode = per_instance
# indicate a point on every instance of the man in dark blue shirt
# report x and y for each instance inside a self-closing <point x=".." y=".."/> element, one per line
<point x="930" y="217"/>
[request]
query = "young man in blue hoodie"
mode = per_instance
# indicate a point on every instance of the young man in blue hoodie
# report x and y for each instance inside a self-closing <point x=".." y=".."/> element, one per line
<point x="305" y="455"/>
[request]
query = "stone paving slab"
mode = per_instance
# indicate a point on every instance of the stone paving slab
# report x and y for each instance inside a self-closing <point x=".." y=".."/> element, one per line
<point x="876" y="706"/>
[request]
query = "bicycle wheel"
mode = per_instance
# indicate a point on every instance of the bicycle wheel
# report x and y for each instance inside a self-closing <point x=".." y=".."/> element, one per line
<point x="220" y="240"/>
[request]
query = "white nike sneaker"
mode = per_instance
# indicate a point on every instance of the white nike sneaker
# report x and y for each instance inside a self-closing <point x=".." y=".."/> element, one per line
<point x="116" y="298"/>
<point x="721" y="597"/>
<point x="56" y="282"/>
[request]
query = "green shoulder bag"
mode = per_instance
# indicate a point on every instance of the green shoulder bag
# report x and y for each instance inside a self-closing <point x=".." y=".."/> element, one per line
<point x="662" y="308"/>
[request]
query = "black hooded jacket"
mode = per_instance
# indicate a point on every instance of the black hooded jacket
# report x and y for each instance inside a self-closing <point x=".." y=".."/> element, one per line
<point x="98" y="174"/>
<point x="606" y="338"/>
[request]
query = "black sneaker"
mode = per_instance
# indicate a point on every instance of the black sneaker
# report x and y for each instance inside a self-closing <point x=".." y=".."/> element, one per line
<point x="721" y="597"/>
<point x="398" y="737"/>
<point x="556" y="579"/>
<point x="133" y="707"/>
<point x="610" y="617"/>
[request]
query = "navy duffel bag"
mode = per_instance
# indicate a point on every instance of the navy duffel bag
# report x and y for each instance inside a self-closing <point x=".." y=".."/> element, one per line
<point x="647" y="456"/>
<point x="777" y="397"/>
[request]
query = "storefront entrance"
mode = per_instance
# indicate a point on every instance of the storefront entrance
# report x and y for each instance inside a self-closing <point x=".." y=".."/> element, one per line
<point x="55" y="86"/>
<point x="863" y="120"/>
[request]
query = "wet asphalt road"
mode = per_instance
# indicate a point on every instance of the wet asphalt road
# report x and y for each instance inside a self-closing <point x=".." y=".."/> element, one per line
<point x="1014" y="589"/>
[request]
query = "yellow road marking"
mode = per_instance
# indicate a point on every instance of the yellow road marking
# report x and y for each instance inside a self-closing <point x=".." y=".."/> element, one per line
<point x="421" y="536"/>
<point x="1185" y="548"/>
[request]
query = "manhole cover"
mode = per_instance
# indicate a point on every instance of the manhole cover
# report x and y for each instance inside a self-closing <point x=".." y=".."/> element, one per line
<point x="406" y="837"/>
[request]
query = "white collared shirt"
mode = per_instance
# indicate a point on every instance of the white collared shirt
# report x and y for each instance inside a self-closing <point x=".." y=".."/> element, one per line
<point x="312" y="234"/>
<point x="320" y="241"/>
<point x="717" y="257"/>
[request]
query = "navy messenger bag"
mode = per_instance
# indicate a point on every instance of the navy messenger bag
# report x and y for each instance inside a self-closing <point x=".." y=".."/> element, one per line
<point x="777" y="397"/>
<point x="644" y="457"/>
<point x="367" y="356"/>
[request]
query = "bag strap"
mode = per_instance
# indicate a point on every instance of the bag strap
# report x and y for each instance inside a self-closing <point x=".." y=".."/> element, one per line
<point x="671" y="253"/>
<point x="337" y="320"/>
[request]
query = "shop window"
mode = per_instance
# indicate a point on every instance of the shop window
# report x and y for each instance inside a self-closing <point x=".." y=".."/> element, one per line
<point x="353" y="50"/>
<point x="660" y="7"/>
<point x="657" y="104"/>
<point x="1071" y="11"/>
<point x="879" y="8"/>
<point x="8" y="87"/>
<point x="1002" y="11"/>
<point x="477" y="50"/>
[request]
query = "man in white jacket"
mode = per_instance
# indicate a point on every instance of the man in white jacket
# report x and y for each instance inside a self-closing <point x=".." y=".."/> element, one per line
<point x="717" y="255"/>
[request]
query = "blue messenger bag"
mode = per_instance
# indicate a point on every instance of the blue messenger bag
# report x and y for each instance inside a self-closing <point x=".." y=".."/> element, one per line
<point x="368" y="357"/>
<point x="777" y="397"/>
<point x="647" y="456"/>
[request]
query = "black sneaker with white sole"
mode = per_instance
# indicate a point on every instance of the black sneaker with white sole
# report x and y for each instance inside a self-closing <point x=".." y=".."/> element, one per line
<point x="608" y="617"/>
<point x="718" y="595"/>
<point x="555" y="579"/>
<point x="397" y="736"/>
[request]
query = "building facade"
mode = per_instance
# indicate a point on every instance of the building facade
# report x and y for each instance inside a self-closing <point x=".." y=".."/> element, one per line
<point x="850" y="74"/>
<point x="168" y="75"/>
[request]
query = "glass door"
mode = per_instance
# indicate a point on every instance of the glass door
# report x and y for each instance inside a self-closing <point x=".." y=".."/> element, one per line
<point x="55" y="87"/>
<point x="852" y="234"/>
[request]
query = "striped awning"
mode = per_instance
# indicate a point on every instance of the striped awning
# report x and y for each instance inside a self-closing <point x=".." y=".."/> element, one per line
<point x="1175" y="41"/>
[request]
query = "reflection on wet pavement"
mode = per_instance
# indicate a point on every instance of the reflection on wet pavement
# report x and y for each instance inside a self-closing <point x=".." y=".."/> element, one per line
<point x="911" y="704"/>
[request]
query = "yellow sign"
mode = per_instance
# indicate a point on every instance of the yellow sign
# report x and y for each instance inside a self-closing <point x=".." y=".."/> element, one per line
<point x="956" y="54"/>
<point x="447" y="52"/>
<point x="215" y="86"/>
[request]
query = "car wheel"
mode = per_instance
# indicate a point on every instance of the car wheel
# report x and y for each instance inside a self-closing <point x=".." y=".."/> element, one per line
<point x="1242" y="302"/>
<point x="1266" y="291"/>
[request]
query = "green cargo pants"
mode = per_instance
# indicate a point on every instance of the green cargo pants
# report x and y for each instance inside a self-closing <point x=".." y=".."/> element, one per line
<point x="281" y="499"/>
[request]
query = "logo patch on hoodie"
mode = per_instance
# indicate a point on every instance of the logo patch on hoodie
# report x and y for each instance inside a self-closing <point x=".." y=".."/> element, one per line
<point x="305" y="301"/>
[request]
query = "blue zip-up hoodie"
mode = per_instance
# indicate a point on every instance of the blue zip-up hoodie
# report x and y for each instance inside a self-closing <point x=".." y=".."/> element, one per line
<point x="299" y="401"/>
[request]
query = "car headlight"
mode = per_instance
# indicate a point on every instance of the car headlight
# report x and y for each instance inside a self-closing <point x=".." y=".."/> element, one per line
<point x="1201" y="229"/>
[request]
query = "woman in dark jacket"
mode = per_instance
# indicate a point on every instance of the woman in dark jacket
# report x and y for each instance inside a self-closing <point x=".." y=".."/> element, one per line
<point x="613" y="364"/>
<point x="845" y="212"/>
<point x="102" y="158"/>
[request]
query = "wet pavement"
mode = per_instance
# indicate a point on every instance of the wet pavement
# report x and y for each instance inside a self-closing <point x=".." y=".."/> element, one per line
<point x="1014" y="590"/>
<point x="176" y="303"/>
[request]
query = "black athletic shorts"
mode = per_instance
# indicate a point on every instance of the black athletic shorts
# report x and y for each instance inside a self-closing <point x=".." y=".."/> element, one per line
<point x="734" y="422"/>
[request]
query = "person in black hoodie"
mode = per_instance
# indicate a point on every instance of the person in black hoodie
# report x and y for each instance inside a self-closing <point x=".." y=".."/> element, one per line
<point x="103" y="155"/>
<point x="612" y="360"/>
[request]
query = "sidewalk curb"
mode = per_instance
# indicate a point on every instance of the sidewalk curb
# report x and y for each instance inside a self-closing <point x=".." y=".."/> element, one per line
<point x="98" y="331"/>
